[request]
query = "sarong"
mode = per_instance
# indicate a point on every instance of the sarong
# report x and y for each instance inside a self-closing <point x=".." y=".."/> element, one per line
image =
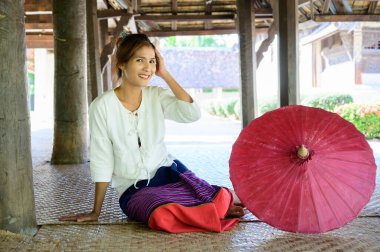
<point x="177" y="201"/>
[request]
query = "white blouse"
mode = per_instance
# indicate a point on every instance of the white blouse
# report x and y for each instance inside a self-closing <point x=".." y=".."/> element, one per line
<point x="126" y="146"/>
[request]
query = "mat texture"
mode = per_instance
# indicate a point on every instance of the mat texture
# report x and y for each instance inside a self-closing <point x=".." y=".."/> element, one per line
<point x="66" y="189"/>
<point x="360" y="235"/>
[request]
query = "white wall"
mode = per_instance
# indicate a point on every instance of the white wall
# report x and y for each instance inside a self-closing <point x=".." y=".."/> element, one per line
<point x="44" y="88"/>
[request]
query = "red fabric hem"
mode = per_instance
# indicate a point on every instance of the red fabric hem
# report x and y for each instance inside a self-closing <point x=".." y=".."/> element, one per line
<point x="176" y="218"/>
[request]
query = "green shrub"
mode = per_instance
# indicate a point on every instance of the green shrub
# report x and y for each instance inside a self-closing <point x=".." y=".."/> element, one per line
<point x="366" y="118"/>
<point x="268" y="105"/>
<point x="219" y="109"/>
<point x="237" y="110"/>
<point x="229" y="107"/>
<point x="328" y="102"/>
<point x="210" y="107"/>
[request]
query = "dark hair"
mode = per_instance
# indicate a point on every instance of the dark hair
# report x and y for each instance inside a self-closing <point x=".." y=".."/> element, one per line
<point x="126" y="46"/>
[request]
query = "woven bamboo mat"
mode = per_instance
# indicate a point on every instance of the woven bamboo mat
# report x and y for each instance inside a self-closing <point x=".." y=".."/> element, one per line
<point x="65" y="189"/>
<point x="360" y="235"/>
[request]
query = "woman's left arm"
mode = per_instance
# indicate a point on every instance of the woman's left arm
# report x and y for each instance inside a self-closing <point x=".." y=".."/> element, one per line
<point x="177" y="90"/>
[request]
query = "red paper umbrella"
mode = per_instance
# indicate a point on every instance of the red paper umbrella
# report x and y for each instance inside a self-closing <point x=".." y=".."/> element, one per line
<point x="303" y="169"/>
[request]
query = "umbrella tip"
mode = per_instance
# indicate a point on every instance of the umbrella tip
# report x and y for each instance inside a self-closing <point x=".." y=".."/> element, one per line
<point x="302" y="152"/>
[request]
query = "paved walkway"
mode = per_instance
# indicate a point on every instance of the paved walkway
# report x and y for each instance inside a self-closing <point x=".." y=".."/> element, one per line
<point x="208" y="140"/>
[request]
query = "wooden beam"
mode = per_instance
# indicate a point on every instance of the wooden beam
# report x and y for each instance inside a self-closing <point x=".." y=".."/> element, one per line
<point x="287" y="23"/>
<point x="266" y="43"/>
<point x="136" y="6"/>
<point x="94" y="82"/>
<point x="103" y="41"/>
<point x="208" y="11"/>
<point x="40" y="41"/>
<point x="316" y="63"/>
<point x="38" y="26"/>
<point x="326" y="6"/>
<point x="111" y="13"/>
<point x="41" y="18"/>
<point x="372" y="7"/>
<point x="190" y="32"/>
<point x="163" y="18"/>
<point x="149" y="26"/>
<point x="174" y="11"/>
<point x="186" y="4"/>
<point x="347" y="18"/>
<point x="107" y="50"/>
<point x="342" y="7"/>
<point x="38" y="5"/>
<point x="246" y="27"/>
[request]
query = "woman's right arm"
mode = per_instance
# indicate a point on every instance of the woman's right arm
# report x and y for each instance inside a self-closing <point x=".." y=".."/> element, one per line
<point x="100" y="192"/>
<point x="101" y="164"/>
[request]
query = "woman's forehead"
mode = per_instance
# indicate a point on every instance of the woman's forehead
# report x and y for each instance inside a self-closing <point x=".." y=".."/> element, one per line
<point x="145" y="51"/>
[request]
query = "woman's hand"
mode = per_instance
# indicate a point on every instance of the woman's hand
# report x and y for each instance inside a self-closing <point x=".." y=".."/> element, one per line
<point x="160" y="65"/>
<point x="82" y="217"/>
<point x="100" y="192"/>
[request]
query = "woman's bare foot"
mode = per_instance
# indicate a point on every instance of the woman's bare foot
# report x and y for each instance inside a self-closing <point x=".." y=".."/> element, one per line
<point x="236" y="198"/>
<point x="235" y="211"/>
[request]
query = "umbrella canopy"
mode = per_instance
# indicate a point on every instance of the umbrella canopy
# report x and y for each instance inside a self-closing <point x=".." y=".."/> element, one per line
<point x="303" y="169"/>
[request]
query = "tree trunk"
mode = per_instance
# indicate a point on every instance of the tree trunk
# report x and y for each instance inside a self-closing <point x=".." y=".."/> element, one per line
<point x="17" y="211"/>
<point x="70" y="105"/>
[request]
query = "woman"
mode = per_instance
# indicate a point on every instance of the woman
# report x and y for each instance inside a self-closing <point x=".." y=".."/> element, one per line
<point x="127" y="132"/>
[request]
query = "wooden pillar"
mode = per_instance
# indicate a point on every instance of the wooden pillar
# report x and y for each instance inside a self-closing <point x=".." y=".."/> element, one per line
<point x="94" y="84"/>
<point x="246" y="29"/>
<point x="70" y="85"/>
<point x="287" y="23"/>
<point x="17" y="211"/>
<point x="358" y="58"/>
<point x="103" y="41"/>
<point x="316" y="63"/>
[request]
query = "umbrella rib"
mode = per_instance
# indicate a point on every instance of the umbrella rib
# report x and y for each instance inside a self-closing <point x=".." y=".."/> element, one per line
<point x="348" y="172"/>
<point x="282" y="178"/>
<point x="314" y="208"/>
<point x="347" y="139"/>
<point x="288" y="198"/>
<point x="273" y="129"/>
<point x="326" y="125"/>
<point x="344" y="201"/>
<point x="265" y="144"/>
<point x="343" y="182"/>
<point x="320" y="127"/>
<point x="324" y="196"/>
<point x="333" y="135"/>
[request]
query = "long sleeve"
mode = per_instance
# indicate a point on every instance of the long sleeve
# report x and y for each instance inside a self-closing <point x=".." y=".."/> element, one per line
<point x="101" y="151"/>
<point x="177" y="110"/>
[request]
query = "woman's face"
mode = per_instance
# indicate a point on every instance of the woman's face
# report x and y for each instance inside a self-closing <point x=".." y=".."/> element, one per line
<point x="140" y="68"/>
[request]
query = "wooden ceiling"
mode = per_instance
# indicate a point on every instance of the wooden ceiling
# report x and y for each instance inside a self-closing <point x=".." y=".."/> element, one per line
<point x="193" y="17"/>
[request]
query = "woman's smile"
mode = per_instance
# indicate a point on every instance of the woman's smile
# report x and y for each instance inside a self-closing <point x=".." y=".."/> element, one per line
<point x="144" y="76"/>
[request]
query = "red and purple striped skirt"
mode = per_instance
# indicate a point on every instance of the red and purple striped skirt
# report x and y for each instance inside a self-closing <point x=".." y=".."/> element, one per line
<point x="176" y="201"/>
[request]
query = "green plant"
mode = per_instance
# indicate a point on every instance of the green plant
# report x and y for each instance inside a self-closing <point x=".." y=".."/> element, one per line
<point x="210" y="107"/>
<point x="268" y="105"/>
<point x="237" y="110"/>
<point x="328" y="102"/>
<point x="229" y="107"/>
<point x="219" y="110"/>
<point x="366" y="118"/>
